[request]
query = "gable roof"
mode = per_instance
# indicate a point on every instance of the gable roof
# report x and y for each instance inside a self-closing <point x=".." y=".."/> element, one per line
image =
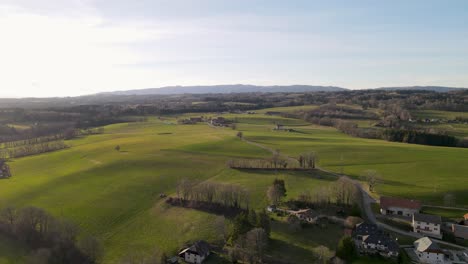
<point x="387" y="202"/>
<point x="201" y="248"/>
<point x="425" y="244"/>
<point x="366" y="229"/>
<point x="435" y="219"/>
<point x="384" y="240"/>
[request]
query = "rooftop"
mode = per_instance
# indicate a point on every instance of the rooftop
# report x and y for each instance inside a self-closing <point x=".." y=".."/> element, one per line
<point x="366" y="229"/>
<point x="382" y="239"/>
<point x="387" y="202"/>
<point x="435" y="219"/>
<point x="201" y="248"/>
<point x="425" y="244"/>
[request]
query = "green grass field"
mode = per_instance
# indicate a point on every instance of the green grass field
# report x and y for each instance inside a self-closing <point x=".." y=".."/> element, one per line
<point x="115" y="195"/>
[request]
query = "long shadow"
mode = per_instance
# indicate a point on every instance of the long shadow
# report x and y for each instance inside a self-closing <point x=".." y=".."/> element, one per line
<point x="280" y="252"/>
<point x="311" y="174"/>
<point x="212" y="208"/>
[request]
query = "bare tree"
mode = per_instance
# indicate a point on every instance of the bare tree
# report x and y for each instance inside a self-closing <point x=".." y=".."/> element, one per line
<point x="373" y="179"/>
<point x="184" y="189"/>
<point x="256" y="243"/>
<point x="274" y="194"/>
<point x="323" y="254"/>
<point x="9" y="216"/>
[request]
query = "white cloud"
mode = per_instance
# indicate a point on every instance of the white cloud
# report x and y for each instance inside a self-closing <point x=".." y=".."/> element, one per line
<point x="55" y="55"/>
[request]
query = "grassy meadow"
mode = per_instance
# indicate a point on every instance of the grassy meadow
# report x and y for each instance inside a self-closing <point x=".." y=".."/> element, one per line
<point x="114" y="195"/>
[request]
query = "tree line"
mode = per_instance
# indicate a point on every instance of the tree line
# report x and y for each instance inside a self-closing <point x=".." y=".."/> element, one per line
<point x="52" y="240"/>
<point x="417" y="137"/>
<point x="28" y="150"/>
<point x="304" y="161"/>
<point x="227" y="195"/>
<point x="342" y="192"/>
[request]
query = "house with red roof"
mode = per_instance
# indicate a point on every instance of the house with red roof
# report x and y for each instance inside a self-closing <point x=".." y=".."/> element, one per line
<point x="399" y="206"/>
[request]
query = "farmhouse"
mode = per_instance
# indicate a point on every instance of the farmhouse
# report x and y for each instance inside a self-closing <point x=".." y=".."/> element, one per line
<point x="369" y="239"/>
<point x="196" y="253"/>
<point x="196" y="119"/>
<point x="460" y="231"/>
<point x="427" y="224"/>
<point x="399" y="206"/>
<point x="220" y="121"/>
<point x="306" y="215"/>
<point x="429" y="252"/>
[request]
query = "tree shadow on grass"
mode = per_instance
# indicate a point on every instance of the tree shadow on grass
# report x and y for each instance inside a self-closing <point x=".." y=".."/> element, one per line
<point x="311" y="174"/>
<point x="282" y="252"/>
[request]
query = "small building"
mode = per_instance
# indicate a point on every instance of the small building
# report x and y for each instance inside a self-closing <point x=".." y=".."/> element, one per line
<point x="427" y="251"/>
<point x="369" y="239"/>
<point x="306" y="215"/>
<point x="427" y="224"/>
<point x="399" y="206"/>
<point x="220" y="121"/>
<point x="196" y="253"/>
<point x="460" y="231"/>
<point x="272" y="208"/>
<point x="465" y="218"/>
<point x="196" y="119"/>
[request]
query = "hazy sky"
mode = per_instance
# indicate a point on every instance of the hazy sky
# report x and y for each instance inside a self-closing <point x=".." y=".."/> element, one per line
<point x="74" y="47"/>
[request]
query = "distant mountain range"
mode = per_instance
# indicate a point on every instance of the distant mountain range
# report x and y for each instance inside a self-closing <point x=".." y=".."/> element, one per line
<point x="440" y="89"/>
<point x="234" y="88"/>
<point x="243" y="88"/>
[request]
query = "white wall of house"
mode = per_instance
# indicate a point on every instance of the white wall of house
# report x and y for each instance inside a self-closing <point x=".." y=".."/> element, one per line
<point x="431" y="258"/>
<point x="193" y="258"/>
<point x="398" y="211"/>
<point x="429" y="229"/>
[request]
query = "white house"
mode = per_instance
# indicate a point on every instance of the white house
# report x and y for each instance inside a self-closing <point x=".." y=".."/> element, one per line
<point x="399" y="206"/>
<point x="197" y="253"/>
<point x="428" y="252"/>
<point x="427" y="224"/>
<point x="306" y="215"/>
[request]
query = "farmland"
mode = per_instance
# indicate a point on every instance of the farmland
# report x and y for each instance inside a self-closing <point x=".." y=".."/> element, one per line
<point x="114" y="195"/>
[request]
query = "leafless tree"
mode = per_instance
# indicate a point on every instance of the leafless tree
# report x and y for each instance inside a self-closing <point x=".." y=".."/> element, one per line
<point x="373" y="179"/>
<point x="274" y="194"/>
<point x="323" y="254"/>
<point x="256" y="243"/>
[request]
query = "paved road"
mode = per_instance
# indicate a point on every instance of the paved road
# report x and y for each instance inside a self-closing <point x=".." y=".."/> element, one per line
<point x="366" y="202"/>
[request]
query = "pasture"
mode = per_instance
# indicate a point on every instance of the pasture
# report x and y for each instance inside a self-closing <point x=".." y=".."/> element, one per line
<point x="114" y="195"/>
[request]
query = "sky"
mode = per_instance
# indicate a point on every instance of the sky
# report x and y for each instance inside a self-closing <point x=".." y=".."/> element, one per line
<point x="76" y="47"/>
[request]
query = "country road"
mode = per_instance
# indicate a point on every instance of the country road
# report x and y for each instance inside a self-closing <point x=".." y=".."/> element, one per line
<point x="366" y="201"/>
